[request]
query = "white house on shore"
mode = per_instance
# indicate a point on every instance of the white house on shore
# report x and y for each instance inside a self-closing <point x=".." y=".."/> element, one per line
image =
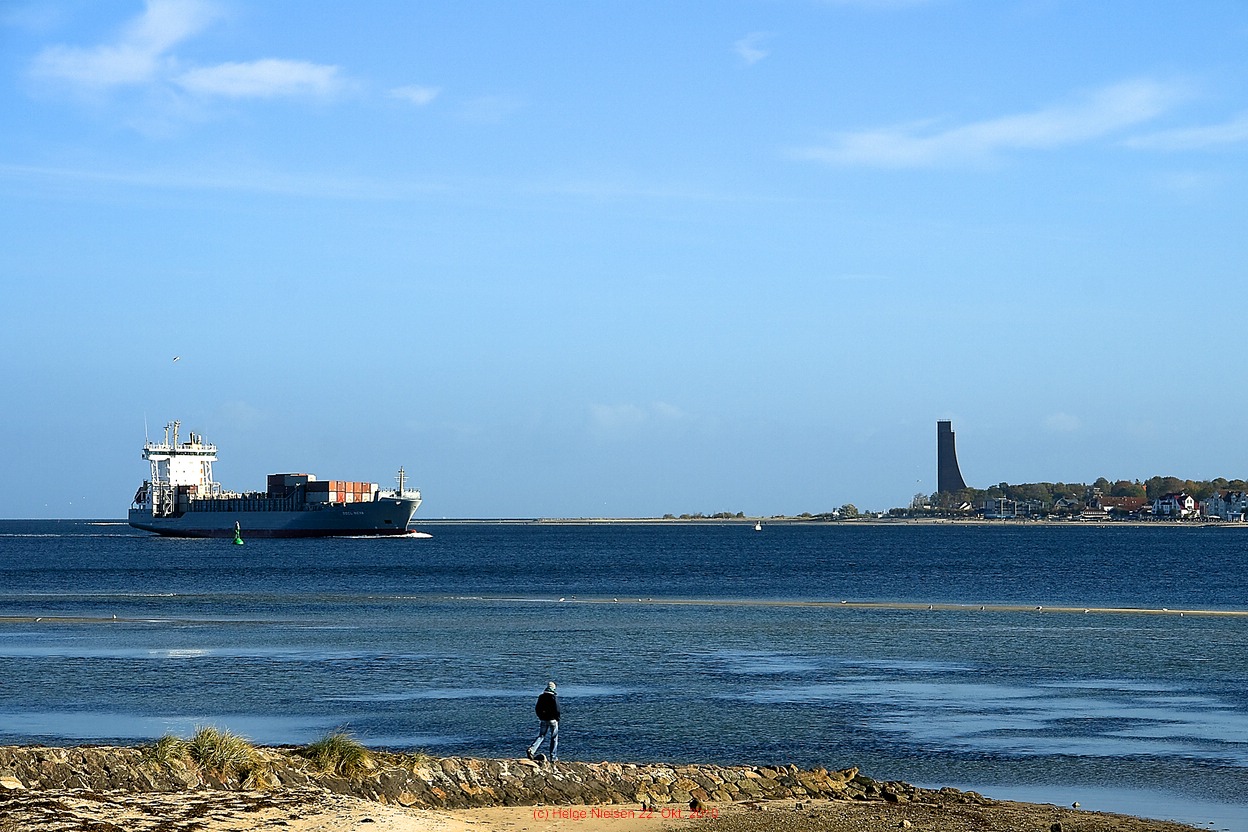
<point x="1226" y="505"/>
<point x="1180" y="506"/>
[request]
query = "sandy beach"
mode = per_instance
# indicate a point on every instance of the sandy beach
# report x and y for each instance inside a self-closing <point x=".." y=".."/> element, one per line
<point x="316" y="810"/>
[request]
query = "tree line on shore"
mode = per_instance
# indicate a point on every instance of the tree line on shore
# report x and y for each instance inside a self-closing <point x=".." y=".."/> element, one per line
<point x="1053" y="493"/>
<point x="1045" y="494"/>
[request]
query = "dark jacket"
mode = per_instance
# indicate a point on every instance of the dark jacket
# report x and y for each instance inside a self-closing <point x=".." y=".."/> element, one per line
<point x="547" y="706"/>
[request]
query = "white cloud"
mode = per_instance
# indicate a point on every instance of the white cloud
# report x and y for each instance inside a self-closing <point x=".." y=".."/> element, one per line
<point x="418" y="95"/>
<point x="261" y="79"/>
<point x="1234" y="131"/>
<point x="750" y="47"/>
<point x="136" y="57"/>
<point x="1099" y="114"/>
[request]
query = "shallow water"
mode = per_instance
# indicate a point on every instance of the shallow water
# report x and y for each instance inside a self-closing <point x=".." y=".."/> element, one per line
<point x="443" y="643"/>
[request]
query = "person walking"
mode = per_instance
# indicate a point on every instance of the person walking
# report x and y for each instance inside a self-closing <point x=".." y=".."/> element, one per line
<point x="547" y="709"/>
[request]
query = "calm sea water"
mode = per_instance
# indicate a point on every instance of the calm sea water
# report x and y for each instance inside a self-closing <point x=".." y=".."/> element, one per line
<point x="669" y="643"/>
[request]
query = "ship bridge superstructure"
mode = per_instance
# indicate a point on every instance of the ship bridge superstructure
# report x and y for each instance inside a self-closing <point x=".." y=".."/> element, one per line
<point x="178" y="469"/>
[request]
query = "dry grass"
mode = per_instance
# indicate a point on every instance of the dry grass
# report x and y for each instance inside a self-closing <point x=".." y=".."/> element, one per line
<point x="167" y="750"/>
<point x="213" y="752"/>
<point x="339" y="753"/>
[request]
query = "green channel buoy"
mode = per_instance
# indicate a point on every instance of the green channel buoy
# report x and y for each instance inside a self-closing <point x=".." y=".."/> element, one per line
<point x="238" y="535"/>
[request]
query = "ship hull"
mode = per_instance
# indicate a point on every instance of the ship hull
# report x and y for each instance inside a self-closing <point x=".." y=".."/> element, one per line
<point x="382" y="517"/>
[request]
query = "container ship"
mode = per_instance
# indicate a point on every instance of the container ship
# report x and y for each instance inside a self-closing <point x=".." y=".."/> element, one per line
<point x="181" y="499"/>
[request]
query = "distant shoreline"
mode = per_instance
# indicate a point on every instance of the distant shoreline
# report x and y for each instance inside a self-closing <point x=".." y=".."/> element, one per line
<point x="802" y="521"/>
<point x="741" y="521"/>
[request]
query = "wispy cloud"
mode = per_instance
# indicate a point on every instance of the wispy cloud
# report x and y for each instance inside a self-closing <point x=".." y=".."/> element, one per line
<point x="619" y="421"/>
<point x="144" y="54"/>
<point x="266" y="78"/>
<point x="750" y="47"/>
<point x="1190" y="185"/>
<point x="1234" y="131"/>
<point x="415" y="94"/>
<point x="264" y="181"/>
<point x="137" y="56"/>
<point x="1061" y="422"/>
<point x="269" y="180"/>
<point x="1096" y="115"/>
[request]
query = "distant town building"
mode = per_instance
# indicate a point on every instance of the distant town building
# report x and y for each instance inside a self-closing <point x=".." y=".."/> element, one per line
<point x="948" y="475"/>
<point x="1067" y="505"/>
<point x="999" y="508"/>
<point x="1180" y="506"/>
<point x="1226" y="505"/>
<point x="1123" y="506"/>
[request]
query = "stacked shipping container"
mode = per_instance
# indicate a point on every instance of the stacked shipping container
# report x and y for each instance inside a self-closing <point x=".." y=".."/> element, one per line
<point x="340" y="491"/>
<point x="321" y="491"/>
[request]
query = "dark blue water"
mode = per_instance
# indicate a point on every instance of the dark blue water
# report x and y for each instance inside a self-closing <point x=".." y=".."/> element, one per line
<point x="671" y="643"/>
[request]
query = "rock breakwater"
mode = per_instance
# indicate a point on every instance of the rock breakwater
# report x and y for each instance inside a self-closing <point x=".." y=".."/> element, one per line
<point x="455" y="782"/>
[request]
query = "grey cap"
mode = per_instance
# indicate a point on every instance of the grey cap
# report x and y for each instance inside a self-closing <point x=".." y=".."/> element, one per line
<point x="550" y="686"/>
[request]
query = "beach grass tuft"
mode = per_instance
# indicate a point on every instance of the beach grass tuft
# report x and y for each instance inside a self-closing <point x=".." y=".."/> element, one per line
<point x="339" y="753"/>
<point x="225" y="753"/>
<point x="167" y="751"/>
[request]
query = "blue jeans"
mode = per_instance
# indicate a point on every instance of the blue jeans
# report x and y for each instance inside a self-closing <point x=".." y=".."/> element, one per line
<point x="551" y="725"/>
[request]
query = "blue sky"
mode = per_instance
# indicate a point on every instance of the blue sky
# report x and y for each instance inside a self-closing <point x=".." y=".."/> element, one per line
<point x="622" y="258"/>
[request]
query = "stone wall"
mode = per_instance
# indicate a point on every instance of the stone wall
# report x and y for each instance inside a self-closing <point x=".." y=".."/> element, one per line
<point x="455" y="782"/>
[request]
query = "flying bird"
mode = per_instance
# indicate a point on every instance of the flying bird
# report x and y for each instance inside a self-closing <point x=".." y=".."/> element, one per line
<point x="177" y="358"/>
